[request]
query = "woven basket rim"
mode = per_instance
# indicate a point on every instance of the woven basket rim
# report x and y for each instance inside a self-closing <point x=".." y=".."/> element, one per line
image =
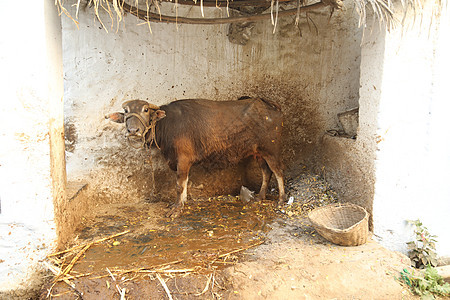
<point x="316" y="210"/>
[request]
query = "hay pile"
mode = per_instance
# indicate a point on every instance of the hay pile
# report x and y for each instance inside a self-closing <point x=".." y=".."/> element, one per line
<point x="306" y="192"/>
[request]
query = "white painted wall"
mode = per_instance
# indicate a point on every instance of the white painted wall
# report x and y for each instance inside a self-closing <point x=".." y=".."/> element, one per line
<point x="413" y="161"/>
<point x="31" y="76"/>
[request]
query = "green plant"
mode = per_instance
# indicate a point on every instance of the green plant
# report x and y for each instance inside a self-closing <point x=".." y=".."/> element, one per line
<point x="422" y="252"/>
<point x="428" y="285"/>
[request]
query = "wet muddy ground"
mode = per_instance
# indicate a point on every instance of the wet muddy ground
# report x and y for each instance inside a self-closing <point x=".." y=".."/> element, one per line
<point x="207" y="228"/>
<point x="220" y="248"/>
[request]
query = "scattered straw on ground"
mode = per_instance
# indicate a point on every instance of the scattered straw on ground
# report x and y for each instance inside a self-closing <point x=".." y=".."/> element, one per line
<point x="62" y="271"/>
<point x="56" y="263"/>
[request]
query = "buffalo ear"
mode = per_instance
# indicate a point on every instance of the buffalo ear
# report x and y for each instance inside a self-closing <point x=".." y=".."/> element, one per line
<point x="160" y="114"/>
<point x="116" y="117"/>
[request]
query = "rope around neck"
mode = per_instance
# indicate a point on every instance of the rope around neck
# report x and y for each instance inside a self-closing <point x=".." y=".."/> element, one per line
<point x="150" y="127"/>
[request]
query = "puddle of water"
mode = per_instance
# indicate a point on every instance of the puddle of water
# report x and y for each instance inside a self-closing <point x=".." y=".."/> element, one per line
<point x="207" y="228"/>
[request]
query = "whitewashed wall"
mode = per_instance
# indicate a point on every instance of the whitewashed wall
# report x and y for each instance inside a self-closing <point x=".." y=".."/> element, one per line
<point x="413" y="161"/>
<point x="30" y="129"/>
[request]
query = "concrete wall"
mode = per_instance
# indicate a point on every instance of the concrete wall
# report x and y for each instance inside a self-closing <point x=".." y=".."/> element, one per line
<point x="32" y="165"/>
<point x="413" y="161"/>
<point x="313" y="75"/>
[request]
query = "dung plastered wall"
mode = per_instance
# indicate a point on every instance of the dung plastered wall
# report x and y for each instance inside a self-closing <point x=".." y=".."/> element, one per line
<point x="32" y="165"/>
<point x="313" y="74"/>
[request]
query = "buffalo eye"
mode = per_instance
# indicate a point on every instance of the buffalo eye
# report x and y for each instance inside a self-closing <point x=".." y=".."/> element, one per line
<point x="125" y="110"/>
<point x="146" y="109"/>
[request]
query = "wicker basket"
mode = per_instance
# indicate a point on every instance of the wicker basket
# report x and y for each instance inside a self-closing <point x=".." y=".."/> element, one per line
<point x="343" y="224"/>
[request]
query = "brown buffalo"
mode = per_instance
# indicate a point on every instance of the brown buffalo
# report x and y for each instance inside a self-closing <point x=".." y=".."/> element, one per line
<point x="196" y="131"/>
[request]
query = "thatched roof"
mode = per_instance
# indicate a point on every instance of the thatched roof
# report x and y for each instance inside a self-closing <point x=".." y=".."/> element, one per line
<point x="248" y="10"/>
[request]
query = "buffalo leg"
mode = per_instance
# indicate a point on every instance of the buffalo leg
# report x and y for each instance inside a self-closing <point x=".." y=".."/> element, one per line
<point x="277" y="169"/>
<point x="182" y="181"/>
<point x="266" y="174"/>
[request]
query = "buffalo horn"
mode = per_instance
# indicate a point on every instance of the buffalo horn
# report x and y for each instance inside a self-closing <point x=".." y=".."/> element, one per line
<point x="151" y="106"/>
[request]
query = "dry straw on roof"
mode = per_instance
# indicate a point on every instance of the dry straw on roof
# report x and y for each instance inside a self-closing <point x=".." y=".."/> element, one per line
<point x="251" y="10"/>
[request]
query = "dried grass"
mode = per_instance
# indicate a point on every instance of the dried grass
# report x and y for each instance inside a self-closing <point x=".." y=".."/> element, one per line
<point x="383" y="10"/>
<point x="393" y="13"/>
<point x="61" y="272"/>
<point x="163" y="283"/>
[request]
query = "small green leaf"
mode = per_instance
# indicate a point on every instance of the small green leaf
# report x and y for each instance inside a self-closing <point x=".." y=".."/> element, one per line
<point x="427" y="296"/>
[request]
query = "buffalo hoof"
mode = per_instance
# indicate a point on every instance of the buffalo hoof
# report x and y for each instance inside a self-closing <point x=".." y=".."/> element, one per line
<point x="281" y="201"/>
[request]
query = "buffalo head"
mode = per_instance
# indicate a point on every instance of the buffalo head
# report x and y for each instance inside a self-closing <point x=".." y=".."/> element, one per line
<point x="138" y="116"/>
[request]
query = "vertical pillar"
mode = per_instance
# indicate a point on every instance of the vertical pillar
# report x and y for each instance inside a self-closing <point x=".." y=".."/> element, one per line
<point x="371" y="70"/>
<point x="32" y="167"/>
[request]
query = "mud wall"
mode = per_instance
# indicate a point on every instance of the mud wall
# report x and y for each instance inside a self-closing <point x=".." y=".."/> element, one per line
<point x="312" y="72"/>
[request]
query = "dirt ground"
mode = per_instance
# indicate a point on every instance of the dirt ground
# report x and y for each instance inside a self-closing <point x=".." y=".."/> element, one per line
<point x="219" y="248"/>
<point x="295" y="264"/>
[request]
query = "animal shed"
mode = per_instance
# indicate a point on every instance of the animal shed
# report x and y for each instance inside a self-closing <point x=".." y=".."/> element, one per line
<point x="312" y="73"/>
<point x="323" y="73"/>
